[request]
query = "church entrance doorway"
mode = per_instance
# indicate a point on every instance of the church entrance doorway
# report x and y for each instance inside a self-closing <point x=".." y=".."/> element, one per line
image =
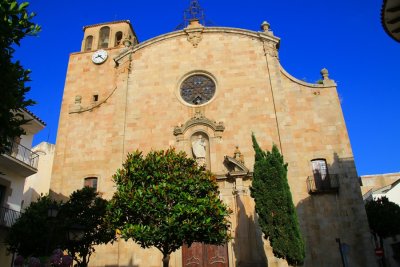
<point x="203" y="255"/>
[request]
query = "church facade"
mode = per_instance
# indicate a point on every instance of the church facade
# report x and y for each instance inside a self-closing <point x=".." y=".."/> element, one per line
<point x="205" y="90"/>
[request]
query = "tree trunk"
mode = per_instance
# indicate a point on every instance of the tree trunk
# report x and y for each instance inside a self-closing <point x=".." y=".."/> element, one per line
<point x="384" y="254"/>
<point x="165" y="260"/>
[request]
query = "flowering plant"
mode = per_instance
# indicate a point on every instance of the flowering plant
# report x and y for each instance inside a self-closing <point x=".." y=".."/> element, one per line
<point x="57" y="259"/>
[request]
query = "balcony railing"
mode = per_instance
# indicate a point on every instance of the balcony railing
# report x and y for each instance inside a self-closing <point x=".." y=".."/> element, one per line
<point x="8" y="216"/>
<point x="317" y="184"/>
<point x="23" y="154"/>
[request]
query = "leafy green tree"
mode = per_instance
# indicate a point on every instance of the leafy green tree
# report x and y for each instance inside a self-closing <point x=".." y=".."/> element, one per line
<point x="34" y="234"/>
<point x="274" y="205"/>
<point x="85" y="208"/>
<point x="15" y="24"/>
<point x="383" y="217"/>
<point x="164" y="200"/>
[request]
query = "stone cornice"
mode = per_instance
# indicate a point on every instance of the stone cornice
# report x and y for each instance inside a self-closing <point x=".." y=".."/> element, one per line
<point x="264" y="37"/>
<point x="331" y="83"/>
<point x="205" y="30"/>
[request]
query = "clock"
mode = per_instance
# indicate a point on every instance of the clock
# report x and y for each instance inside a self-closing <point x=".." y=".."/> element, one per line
<point x="99" y="56"/>
<point x="197" y="89"/>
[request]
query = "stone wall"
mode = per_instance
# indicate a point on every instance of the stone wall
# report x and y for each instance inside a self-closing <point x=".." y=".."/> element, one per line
<point x="139" y="107"/>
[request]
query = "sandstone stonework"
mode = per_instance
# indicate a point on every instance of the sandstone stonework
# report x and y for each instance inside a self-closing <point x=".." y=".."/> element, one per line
<point x="139" y="107"/>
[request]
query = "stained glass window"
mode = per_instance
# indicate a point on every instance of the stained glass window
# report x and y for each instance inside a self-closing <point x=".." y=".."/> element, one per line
<point x="197" y="89"/>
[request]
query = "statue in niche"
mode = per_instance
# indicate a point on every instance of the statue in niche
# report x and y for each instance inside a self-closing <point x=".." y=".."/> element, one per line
<point x="199" y="148"/>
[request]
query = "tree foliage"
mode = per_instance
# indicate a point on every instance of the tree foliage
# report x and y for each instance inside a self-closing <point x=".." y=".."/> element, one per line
<point x="165" y="199"/>
<point x="15" y="24"/>
<point x="274" y="205"/>
<point x="85" y="208"/>
<point x="383" y="217"/>
<point x="34" y="234"/>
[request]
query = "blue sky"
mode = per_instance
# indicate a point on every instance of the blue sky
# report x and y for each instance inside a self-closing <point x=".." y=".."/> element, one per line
<point x="346" y="37"/>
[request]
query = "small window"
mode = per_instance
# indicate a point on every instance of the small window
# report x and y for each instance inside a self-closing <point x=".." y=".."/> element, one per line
<point x="118" y="38"/>
<point x="104" y="37"/>
<point x="88" y="43"/>
<point x="91" y="182"/>
<point x="95" y="98"/>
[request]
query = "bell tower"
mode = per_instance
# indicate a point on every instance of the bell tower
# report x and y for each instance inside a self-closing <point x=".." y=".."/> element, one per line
<point x="108" y="35"/>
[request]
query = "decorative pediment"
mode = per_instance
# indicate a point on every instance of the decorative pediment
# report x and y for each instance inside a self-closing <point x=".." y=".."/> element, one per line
<point x="199" y="119"/>
<point x="235" y="167"/>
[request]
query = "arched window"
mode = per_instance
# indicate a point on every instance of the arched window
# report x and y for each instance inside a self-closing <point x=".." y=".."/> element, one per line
<point x="118" y="38"/>
<point x="90" y="182"/>
<point x="88" y="43"/>
<point x="104" y="37"/>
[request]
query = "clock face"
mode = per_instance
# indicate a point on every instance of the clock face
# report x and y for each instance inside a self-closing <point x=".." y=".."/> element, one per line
<point x="197" y="89"/>
<point x="99" y="56"/>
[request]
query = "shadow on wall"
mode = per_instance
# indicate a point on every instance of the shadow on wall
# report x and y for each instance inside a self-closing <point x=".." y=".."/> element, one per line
<point x="333" y="211"/>
<point x="31" y="195"/>
<point x="248" y="242"/>
<point x="57" y="196"/>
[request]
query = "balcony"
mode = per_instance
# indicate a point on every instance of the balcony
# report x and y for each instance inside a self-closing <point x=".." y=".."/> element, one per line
<point x="327" y="185"/>
<point x="20" y="160"/>
<point x="8" y="216"/>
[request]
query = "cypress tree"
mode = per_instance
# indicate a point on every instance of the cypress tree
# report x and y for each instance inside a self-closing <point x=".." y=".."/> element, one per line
<point x="274" y="205"/>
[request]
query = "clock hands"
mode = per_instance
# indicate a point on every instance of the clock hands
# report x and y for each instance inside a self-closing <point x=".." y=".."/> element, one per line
<point x="99" y="56"/>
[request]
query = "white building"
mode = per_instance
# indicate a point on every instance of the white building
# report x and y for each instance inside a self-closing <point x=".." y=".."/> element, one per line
<point x="391" y="191"/>
<point x="39" y="183"/>
<point x="16" y="164"/>
<point x="378" y="186"/>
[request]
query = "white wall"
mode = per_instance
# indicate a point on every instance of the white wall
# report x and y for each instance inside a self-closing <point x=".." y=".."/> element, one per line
<point x="394" y="194"/>
<point x="39" y="183"/>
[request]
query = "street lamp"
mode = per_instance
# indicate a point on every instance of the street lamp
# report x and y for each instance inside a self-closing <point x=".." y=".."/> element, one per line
<point x="52" y="213"/>
<point x="76" y="232"/>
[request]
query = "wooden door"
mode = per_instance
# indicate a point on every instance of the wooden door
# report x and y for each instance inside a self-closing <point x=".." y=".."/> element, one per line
<point x="202" y="255"/>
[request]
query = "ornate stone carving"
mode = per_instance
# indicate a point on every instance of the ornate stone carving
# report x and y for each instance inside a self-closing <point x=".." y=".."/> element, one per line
<point x="195" y="38"/>
<point x="325" y="78"/>
<point x="199" y="119"/>
<point x="265" y="27"/>
<point x="194" y="35"/>
<point x="235" y="167"/>
<point x="238" y="155"/>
